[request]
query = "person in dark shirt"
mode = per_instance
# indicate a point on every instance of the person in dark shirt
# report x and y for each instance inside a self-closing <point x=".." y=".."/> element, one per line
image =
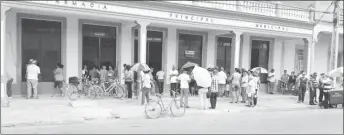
<point x="291" y="82"/>
<point x="304" y="85"/>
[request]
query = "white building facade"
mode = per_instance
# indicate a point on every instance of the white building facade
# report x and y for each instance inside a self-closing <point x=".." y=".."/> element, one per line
<point x="161" y="34"/>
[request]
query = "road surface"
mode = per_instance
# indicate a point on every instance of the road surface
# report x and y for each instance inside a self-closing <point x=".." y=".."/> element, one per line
<point x="287" y="122"/>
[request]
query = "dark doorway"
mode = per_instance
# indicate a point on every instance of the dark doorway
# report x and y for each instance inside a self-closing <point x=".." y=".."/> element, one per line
<point x="41" y="40"/>
<point x="99" y="45"/>
<point x="260" y="56"/>
<point x="190" y="49"/>
<point x="153" y="51"/>
<point x="224" y="53"/>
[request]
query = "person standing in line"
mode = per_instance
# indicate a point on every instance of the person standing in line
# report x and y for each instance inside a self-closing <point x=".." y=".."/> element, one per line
<point x="173" y="79"/>
<point x="155" y="87"/>
<point x="103" y="74"/>
<point x="184" y="79"/>
<point x="251" y="90"/>
<point x="58" y="76"/>
<point x="235" y="79"/>
<point x="146" y="86"/>
<point x="304" y="85"/>
<point x="202" y="92"/>
<point x="244" y="85"/>
<point x="111" y="74"/>
<point x="160" y="75"/>
<point x="291" y="83"/>
<point x="313" y="89"/>
<point x="32" y="72"/>
<point x="221" y="77"/>
<point x="84" y="72"/>
<point x="327" y="86"/>
<point x="284" y="81"/>
<point x="128" y="78"/>
<point x="321" y="87"/>
<point x="256" y="78"/>
<point x="271" y="81"/>
<point x="214" y="89"/>
<point x="228" y="85"/>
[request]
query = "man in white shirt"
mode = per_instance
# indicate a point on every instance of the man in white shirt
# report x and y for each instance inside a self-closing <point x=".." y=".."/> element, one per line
<point x="160" y="75"/>
<point x="184" y="79"/>
<point x="32" y="72"/>
<point x="173" y="76"/>
<point x="271" y="81"/>
<point x="221" y="78"/>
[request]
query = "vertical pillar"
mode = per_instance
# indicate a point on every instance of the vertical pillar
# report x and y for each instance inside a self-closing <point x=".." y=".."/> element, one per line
<point x="211" y="47"/>
<point x="125" y="47"/>
<point x="73" y="49"/>
<point x="237" y="49"/>
<point x="171" y="55"/>
<point x="143" y="40"/>
<point x="277" y="57"/>
<point x="308" y="44"/>
<point x="4" y="98"/>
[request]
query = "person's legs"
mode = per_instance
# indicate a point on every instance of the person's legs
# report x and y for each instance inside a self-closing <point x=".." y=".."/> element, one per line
<point x="144" y="93"/>
<point x="321" y="94"/>
<point x="215" y="100"/>
<point x="182" y="94"/>
<point x="172" y="88"/>
<point x="29" y="88"/>
<point x="147" y="95"/>
<point x="34" y="86"/>
<point x="269" y="87"/>
<point x="130" y="91"/>
<point x="326" y="100"/>
<point x="243" y="94"/>
<point x="311" y="96"/>
<point x="9" y="88"/>
<point x="212" y="97"/>
<point x="315" y="95"/>
<point x="303" y="90"/>
<point x="161" y="86"/>
<point x="186" y="97"/>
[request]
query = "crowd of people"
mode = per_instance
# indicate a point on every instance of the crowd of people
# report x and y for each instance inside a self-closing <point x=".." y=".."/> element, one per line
<point x="241" y="84"/>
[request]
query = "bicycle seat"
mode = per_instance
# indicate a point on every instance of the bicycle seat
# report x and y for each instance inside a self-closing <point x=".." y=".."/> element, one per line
<point x="158" y="95"/>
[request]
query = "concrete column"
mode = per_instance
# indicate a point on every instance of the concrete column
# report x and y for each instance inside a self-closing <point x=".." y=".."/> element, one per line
<point x="211" y="47"/>
<point x="308" y="46"/>
<point x="171" y="55"/>
<point x="237" y="48"/>
<point x="4" y="98"/>
<point x="277" y="57"/>
<point x="125" y="47"/>
<point x="73" y="49"/>
<point x="143" y="40"/>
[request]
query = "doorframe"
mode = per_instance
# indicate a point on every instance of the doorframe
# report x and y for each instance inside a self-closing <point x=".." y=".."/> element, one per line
<point x="204" y="35"/>
<point x="99" y="23"/>
<point x="164" y="43"/>
<point x="271" y="48"/>
<point x="231" y="36"/>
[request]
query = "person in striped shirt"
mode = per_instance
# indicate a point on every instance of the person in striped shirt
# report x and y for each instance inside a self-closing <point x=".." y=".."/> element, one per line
<point x="214" y="89"/>
<point x="313" y="89"/>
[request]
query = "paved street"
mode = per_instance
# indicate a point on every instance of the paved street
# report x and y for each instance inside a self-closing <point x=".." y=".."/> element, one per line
<point x="287" y="122"/>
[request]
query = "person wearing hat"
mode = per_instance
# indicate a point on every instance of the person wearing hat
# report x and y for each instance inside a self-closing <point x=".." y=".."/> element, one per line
<point x="146" y="86"/>
<point x="304" y="85"/>
<point x="32" y="72"/>
<point x="313" y="89"/>
<point x="235" y="79"/>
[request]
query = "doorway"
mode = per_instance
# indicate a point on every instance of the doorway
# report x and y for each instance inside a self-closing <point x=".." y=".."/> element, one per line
<point x="153" y="50"/>
<point x="190" y="49"/>
<point x="99" y="45"/>
<point x="224" y="53"/>
<point x="260" y="56"/>
<point x="41" y="40"/>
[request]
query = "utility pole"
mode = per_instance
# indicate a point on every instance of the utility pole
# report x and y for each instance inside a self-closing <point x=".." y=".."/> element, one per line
<point x="335" y="36"/>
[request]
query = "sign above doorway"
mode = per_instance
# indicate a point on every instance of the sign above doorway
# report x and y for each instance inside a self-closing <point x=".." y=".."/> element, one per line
<point x="189" y="53"/>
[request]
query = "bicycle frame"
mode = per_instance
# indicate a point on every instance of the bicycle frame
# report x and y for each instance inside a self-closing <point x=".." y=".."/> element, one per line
<point x="170" y="104"/>
<point x="110" y="88"/>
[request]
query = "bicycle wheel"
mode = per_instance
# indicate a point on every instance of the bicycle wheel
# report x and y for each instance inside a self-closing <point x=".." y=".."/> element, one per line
<point x="153" y="109"/>
<point x="72" y="92"/>
<point x="119" y="92"/>
<point x="94" y="91"/>
<point x="177" y="108"/>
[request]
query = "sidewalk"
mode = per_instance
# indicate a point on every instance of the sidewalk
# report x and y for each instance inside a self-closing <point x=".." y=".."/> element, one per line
<point x="58" y="110"/>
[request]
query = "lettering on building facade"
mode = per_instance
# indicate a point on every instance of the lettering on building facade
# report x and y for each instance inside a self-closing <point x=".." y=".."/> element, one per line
<point x="81" y="4"/>
<point x="271" y="27"/>
<point x="191" y="18"/>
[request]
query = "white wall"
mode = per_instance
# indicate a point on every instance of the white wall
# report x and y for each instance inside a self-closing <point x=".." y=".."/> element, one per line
<point x="11" y="53"/>
<point x="289" y="56"/>
<point x="322" y="53"/>
<point x="245" y="52"/>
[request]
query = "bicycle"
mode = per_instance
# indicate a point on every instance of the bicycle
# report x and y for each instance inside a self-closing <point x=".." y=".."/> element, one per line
<point x="159" y="106"/>
<point x="75" y="93"/>
<point x="115" y="89"/>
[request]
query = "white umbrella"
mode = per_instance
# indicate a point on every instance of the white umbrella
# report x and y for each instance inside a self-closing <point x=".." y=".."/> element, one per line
<point x="202" y="76"/>
<point x="260" y="70"/>
<point x="140" y="67"/>
<point x="338" y="72"/>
